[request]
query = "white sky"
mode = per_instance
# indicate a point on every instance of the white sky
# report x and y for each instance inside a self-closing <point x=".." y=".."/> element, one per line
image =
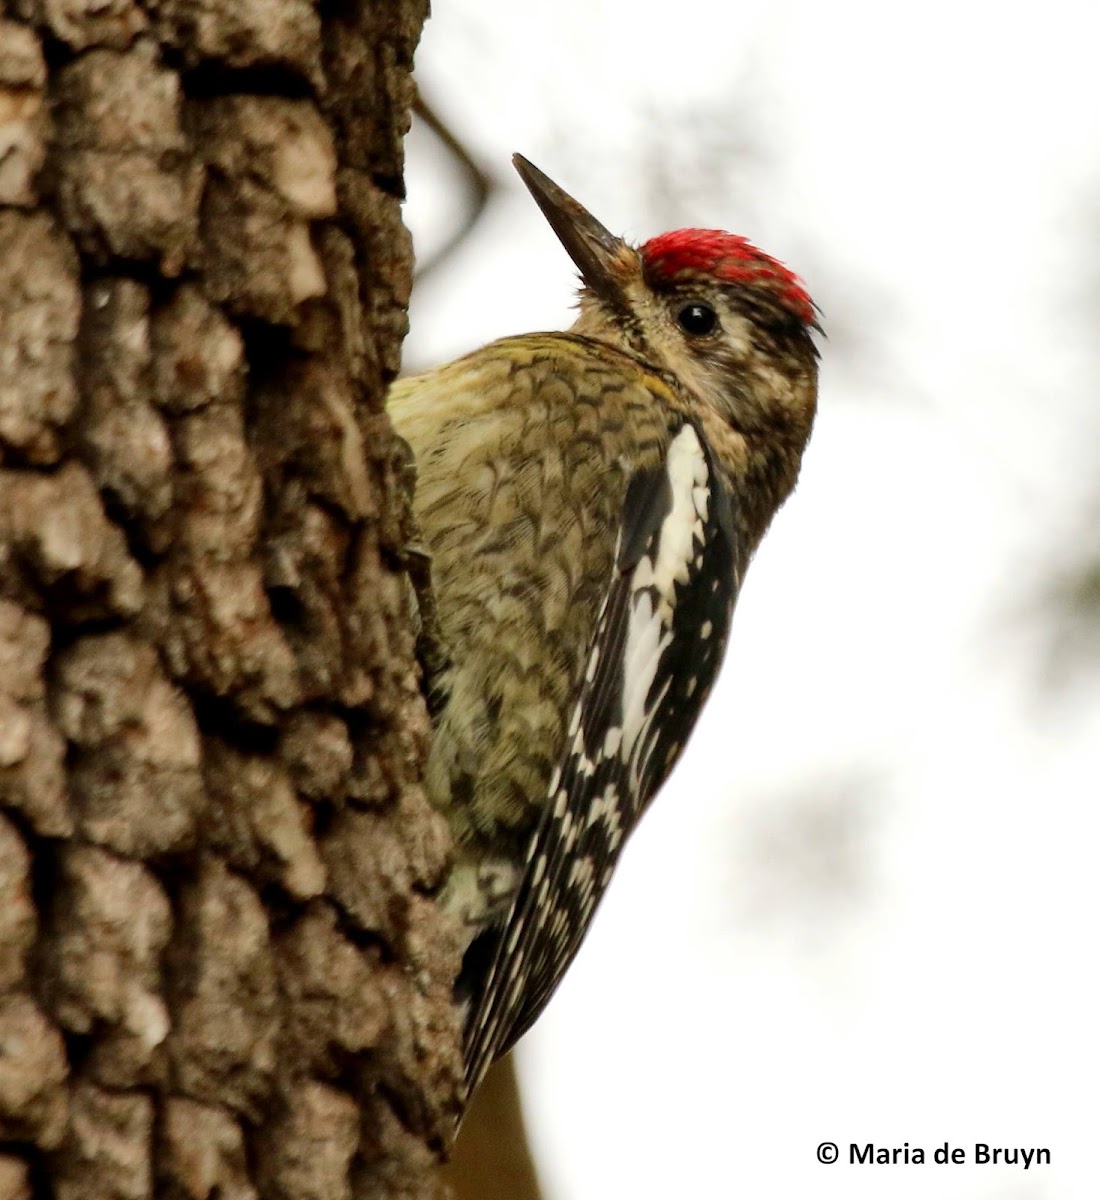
<point x="865" y="908"/>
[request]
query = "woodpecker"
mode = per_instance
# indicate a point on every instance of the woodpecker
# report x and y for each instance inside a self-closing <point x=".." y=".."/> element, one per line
<point x="589" y="502"/>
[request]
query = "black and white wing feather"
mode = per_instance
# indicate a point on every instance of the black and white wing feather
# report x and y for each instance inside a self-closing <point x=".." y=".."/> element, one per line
<point x="659" y="642"/>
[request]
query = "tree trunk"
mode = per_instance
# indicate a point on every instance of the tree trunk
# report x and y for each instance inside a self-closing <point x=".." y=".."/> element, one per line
<point x="491" y="1156"/>
<point x="221" y="969"/>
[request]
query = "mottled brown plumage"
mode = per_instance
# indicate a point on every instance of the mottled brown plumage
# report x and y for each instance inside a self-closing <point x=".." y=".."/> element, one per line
<point x="506" y="441"/>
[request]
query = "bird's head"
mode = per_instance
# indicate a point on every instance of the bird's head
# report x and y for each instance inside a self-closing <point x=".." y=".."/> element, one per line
<point x="731" y="323"/>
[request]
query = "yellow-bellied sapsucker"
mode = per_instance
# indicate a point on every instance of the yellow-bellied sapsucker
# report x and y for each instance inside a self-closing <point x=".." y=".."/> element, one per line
<point x="590" y="501"/>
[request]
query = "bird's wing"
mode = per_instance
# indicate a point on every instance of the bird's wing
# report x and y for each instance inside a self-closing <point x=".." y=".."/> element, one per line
<point x="658" y="644"/>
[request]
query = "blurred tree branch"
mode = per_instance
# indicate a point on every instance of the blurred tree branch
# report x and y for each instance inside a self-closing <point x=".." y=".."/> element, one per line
<point x="479" y="186"/>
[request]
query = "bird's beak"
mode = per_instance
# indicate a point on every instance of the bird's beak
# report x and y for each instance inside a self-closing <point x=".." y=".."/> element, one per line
<point x="601" y="258"/>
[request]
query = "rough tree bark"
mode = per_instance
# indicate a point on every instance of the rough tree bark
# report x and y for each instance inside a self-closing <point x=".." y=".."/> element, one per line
<point x="221" y="969"/>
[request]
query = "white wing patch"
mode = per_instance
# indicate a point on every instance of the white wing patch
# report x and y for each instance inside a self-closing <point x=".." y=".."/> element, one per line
<point x="647" y="636"/>
<point x="682" y="529"/>
<point x="652" y="586"/>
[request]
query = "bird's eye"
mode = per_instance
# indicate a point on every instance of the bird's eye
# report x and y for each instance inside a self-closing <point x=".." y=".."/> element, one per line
<point x="697" y="319"/>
